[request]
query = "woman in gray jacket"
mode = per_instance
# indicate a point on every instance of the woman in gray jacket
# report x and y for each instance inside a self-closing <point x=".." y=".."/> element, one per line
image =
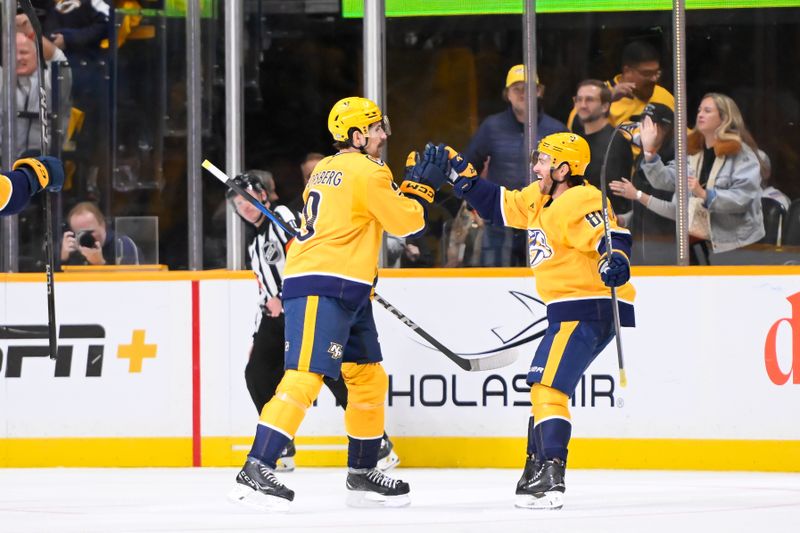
<point x="724" y="173"/>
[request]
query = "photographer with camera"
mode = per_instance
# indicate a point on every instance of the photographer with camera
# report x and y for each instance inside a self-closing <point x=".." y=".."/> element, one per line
<point x="88" y="241"/>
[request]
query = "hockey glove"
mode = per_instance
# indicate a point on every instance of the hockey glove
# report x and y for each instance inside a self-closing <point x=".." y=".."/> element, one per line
<point x="428" y="175"/>
<point x="462" y="174"/>
<point x="615" y="272"/>
<point x="44" y="172"/>
<point x="411" y="161"/>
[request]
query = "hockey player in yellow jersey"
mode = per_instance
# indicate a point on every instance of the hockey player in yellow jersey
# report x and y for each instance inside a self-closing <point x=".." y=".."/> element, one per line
<point x="331" y="267"/>
<point x="573" y="270"/>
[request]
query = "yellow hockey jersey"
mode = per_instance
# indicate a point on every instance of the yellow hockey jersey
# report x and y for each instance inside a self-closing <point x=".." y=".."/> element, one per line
<point x="350" y="200"/>
<point x="566" y="242"/>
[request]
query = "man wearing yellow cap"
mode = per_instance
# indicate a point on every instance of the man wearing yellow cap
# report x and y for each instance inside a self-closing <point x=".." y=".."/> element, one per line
<point x="498" y="148"/>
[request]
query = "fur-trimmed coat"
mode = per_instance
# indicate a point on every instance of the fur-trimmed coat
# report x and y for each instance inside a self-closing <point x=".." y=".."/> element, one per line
<point x="734" y="201"/>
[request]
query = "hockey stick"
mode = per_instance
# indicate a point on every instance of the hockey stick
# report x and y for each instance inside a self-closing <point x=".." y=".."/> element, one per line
<point x="498" y="359"/>
<point x="623" y="380"/>
<point x="27" y="8"/>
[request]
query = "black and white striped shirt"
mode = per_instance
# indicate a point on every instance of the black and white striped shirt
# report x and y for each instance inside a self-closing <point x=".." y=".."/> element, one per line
<point x="268" y="256"/>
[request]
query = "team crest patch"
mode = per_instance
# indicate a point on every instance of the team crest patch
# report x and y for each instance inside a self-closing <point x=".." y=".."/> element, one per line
<point x="336" y="350"/>
<point x="538" y="249"/>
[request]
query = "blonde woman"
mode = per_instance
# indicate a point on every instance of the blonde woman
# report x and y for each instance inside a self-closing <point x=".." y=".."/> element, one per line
<point x="724" y="172"/>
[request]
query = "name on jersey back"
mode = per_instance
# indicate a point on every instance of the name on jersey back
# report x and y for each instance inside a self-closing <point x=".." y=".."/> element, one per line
<point x="326" y="177"/>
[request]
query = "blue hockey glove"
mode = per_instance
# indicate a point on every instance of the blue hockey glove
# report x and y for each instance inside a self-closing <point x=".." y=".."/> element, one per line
<point x="44" y="171"/>
<point x="427" y="176"/>
<point x="615" y="272"/>
<point x="434" y="167"/>
<point x="462" y="174"/>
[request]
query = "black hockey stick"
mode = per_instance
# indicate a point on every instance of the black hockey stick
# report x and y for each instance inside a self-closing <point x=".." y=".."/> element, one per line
<point x="27" y="8"/>
<point x="623" y="380"/>
<point x="494" y="360"/>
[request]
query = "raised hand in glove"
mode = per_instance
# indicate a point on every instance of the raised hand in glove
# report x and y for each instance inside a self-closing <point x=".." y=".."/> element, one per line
<point x="462" y="174"/>
<point x="616" y="271"/>
<point x="44" y="172"/>
<point x="428" y="175"/>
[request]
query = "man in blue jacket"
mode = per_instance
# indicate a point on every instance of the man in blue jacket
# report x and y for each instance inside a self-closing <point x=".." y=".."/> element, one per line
<point x="500" y="145"/>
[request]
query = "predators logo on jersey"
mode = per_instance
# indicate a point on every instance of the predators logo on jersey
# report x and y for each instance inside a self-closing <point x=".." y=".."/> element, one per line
<point x="565" y="241"/>
<point x="538" y="249"/>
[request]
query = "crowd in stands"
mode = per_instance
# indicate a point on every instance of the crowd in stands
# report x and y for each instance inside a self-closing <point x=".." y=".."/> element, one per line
<point x="627" y="121"/>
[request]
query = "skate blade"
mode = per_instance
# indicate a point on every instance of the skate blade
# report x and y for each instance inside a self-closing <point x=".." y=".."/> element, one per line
<point x="256" y="500"/>
<point x="366" y="499"/>
<point x="552" y="500"/>
<point x="388" y="462"/>
<point x="285" y="464"/>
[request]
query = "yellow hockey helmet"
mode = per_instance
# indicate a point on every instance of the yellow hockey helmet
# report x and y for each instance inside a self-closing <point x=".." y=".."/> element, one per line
<point x="354" y="112"/>
<point x="566" y="148"/>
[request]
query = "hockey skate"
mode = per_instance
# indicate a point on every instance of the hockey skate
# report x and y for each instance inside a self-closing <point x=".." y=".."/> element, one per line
<point x="527" y="474"/>
<point x="542" y="486"/>
<point x="372" y="488"/>
<point x="387" y="458"/>
<point x="257" y="486"/>
<point x="286" y="460"/>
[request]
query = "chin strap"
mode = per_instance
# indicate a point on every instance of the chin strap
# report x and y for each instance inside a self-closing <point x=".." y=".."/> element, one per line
<point x="555" y="184"/>
<point x="362" y="149"/>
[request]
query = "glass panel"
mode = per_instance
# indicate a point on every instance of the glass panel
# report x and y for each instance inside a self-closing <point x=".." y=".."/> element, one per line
<point x="136" y="240"/>
<point x="761" y="48"/>
<point x="300" y="58"/>
<point x="447" y="83"/>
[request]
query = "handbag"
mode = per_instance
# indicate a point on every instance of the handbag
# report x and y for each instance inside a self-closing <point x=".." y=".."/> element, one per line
<point x="699" y="219"/>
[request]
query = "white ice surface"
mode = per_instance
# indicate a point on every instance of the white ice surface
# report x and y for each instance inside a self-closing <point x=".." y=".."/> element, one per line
<point x="185" y="499"/>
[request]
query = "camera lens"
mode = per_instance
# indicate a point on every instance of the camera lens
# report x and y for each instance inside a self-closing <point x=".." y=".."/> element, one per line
<point x="85" y="238"/>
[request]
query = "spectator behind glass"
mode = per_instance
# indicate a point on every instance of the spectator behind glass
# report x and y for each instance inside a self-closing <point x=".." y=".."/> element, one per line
<point x="464" y="238"/>
<point x="767" y="190"/>
<point x="497" y="151"/>
<point x="89" y="242"/>
<point x="721" y="149"/>
<point x="306" y="168"/>
<point x="592" y="101"/>
<point x="634" y="87"/>
<point x="27" y="67"/>
<point x="78" y="27"/>
<point x="653" y="234"/>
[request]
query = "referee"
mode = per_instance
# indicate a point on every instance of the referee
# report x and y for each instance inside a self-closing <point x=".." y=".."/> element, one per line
<point x="267" y="255"/>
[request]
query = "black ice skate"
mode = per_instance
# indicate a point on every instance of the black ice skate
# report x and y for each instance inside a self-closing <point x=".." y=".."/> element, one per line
<point x="372" y="488"/>
<point x="257" y="486"/>
<point x="387" y="458"/>
<point x="286" y="460"/>
<point x="545" y="489"/>
<point x="527" y="474"/>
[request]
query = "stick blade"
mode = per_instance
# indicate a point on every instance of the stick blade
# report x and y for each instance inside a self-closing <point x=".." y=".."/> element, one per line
<point x="496" y="360"/>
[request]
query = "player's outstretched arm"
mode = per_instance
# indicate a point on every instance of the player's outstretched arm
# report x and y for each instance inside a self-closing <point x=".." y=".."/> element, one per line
<point x="29" y="176"/>
<point x="486" y="197"/>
